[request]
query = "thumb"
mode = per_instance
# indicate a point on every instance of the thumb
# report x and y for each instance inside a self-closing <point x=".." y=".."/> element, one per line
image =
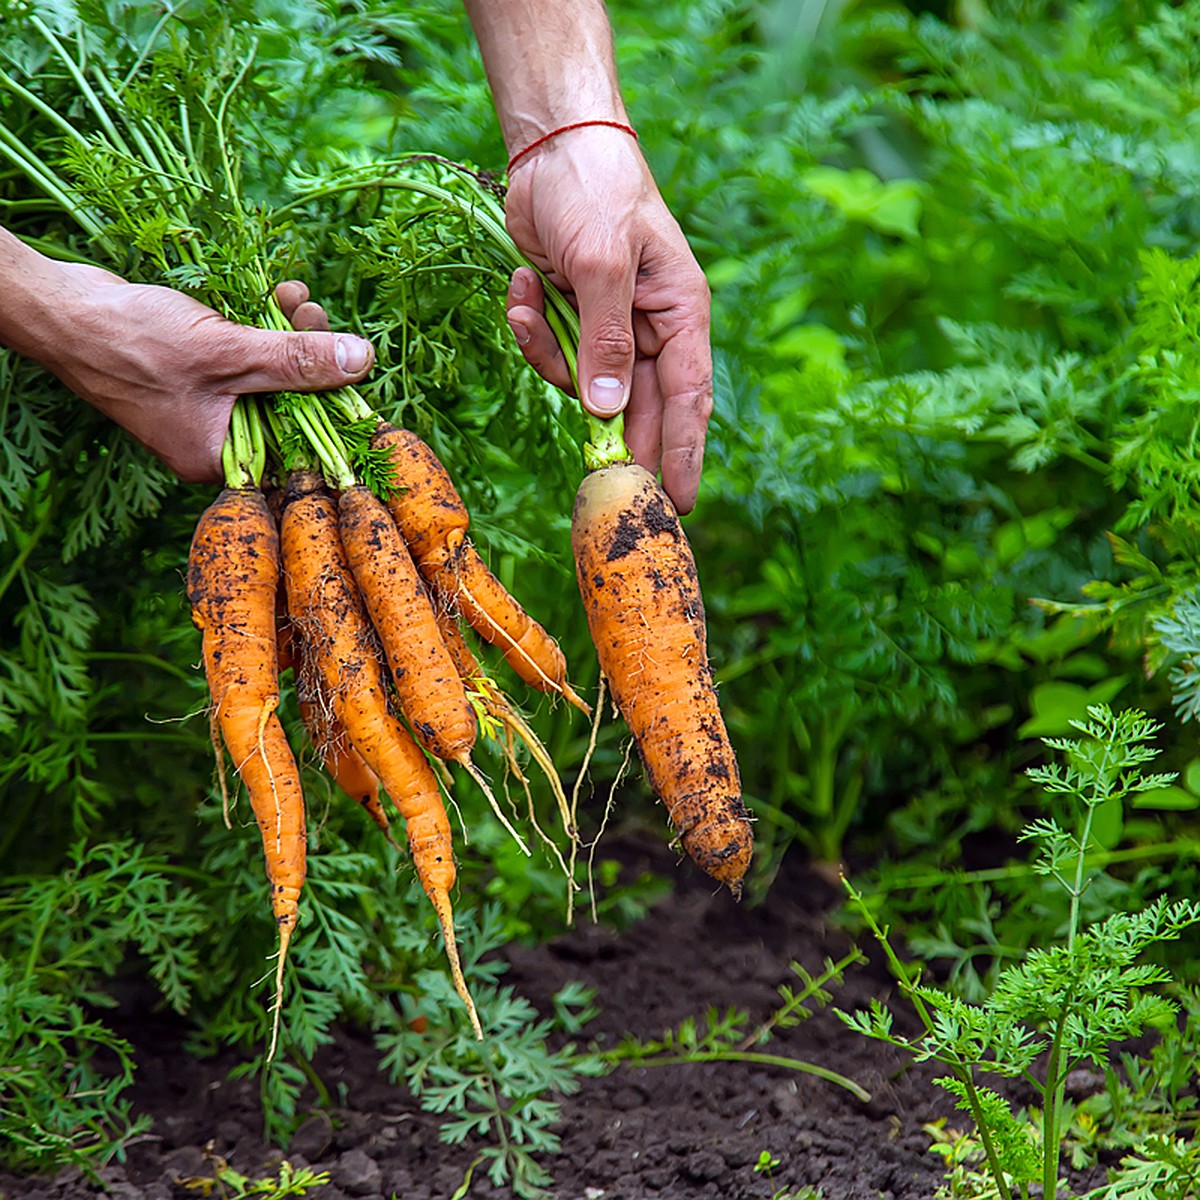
<point x="606" y="345"/>
<point x="272" y="360"/>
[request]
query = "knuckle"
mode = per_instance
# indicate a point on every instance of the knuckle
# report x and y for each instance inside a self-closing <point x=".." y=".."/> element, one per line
<point x="304" y="356"/>
<point x="695" y="402"/>
<point x="594" y="262"/>
<point x="612" y="343"/>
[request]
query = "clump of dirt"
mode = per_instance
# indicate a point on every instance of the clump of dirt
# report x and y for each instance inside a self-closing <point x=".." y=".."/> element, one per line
<point x="678" y="1132"/>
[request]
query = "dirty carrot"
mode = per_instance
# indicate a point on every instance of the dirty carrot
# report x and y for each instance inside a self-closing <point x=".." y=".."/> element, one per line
<point x="325" y="606"/>
<point x="233" y="571"/>
<point x="640" y="591"/>
<point x="434" y="521"/>
<point x="430" y="691"/>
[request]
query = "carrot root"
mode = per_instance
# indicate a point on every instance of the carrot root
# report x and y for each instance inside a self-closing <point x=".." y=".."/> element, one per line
<point x="642" y="596"/>
<point x="434" y="520"/>
<point x="325" y="605"/>
<point x="441" y="905"/>
<point x="232" y="583"/>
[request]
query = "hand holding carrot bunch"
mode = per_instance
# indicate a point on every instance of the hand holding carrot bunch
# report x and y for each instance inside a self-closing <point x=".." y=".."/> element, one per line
<point x="161" y="364"/>
<point x="358" y="498"/>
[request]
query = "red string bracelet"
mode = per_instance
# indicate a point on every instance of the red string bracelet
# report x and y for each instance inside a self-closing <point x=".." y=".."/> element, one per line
<point x="520" y="154"/>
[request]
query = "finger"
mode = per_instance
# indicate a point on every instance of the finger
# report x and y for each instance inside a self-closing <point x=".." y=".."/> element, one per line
<point x="526" y="305"/>
<point x="274" y="361"/>
<point x="196" y="457"/>
<point x="525" y="290"/>
<point x="540" y="347"/>
<point x="644" y="416"/>
<point x="685" y="414"/>
<point x="291" y="293"/>
<point x="310" y="316"/>
<point x="604" y="287"/>
<point x="685" y="377"/>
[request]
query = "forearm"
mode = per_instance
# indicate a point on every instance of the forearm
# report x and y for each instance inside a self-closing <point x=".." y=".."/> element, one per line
<point x="549" y="63"/>
<point x="34" y="290"/>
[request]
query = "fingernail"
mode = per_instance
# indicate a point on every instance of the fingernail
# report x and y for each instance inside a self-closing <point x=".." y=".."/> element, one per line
<point x="521" y="332"/>
<point x="520" y="285"/>
<point x="351" y="353"/>
<point x="606" y="395"/>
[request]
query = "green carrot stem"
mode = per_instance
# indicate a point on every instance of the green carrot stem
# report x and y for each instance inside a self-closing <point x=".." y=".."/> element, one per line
<point x="352" y="404"/>
<point x="244" y="455"/>
<point x="169" y="14"/>
<point x="313" y="421"/>
<point x="12" y="148"/>
<point x="135" y="128"/>
<point x="34" y="101"/>
<point x="86" y="90"/>
<point x="222" y="141"/>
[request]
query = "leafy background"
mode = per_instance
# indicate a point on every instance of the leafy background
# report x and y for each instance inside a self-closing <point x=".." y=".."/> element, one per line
<point x="949" y="498"/>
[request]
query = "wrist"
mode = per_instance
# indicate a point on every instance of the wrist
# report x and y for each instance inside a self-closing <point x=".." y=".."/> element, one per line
<point x="531" y="148"/>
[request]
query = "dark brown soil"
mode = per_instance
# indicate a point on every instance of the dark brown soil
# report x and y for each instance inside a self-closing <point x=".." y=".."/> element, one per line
<point x="677" y="1133"/>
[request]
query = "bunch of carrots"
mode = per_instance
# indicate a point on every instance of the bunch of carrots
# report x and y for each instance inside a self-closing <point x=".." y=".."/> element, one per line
<point x="377" y="580"/>
<point x="340" y="547"/>
<point x="359" y="591"/>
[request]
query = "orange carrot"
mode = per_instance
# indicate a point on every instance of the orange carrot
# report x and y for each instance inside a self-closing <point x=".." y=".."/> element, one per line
<point x="498" y="706"/>
<point x="233" y="572"/>
<point x="434" y="521"/>
<point x="343" y="763"/>
<point x="430" y="691"/>
<point x="325" y="607"/>
<point x="638" y="580"/>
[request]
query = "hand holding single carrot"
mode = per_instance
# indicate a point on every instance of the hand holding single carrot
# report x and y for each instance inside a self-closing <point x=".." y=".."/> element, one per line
<point x="585" y="209"/>
<point x="161" y="364"/>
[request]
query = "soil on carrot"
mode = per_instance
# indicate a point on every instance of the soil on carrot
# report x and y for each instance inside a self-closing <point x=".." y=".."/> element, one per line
<point x="675" y="1132"/>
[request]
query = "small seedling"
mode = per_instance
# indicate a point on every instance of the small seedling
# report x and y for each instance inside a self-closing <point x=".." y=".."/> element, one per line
<point x="227" y="1184"/>
<point x="1065" y="1004"/>
<point x="767" y="1162"/>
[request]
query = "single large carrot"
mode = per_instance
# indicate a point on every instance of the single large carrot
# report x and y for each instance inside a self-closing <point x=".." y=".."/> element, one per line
<point x="434" y="521"/>
<point x="638" y="580"/>
<point x="233" y="574"/>
<point x="430" y="691"/>
<point x="340" y="644"/>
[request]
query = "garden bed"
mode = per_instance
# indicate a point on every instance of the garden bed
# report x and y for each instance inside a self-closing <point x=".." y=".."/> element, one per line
<point x="677" y="1131"/>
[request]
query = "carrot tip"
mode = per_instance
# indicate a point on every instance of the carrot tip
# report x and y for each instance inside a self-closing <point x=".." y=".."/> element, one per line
<point x="445" y="916"/>
<point x="569" y="694"/>
<point x="285" y="936"/>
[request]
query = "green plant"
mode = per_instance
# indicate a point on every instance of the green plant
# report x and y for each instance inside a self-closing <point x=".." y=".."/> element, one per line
<point x="1146" y="1094"/>
<point x="1165" y="1168"/>
<point x="497" y="1089"/>
<point x="766" y="1164"/>
<point x="61" y="938"/>
<point x="227" y="1184"/>
<point x="1068" y="1000"/>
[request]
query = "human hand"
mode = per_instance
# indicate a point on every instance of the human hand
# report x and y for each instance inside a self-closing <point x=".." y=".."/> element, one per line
<point x="585" y="209"/>
<point x="167" y="368"/>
